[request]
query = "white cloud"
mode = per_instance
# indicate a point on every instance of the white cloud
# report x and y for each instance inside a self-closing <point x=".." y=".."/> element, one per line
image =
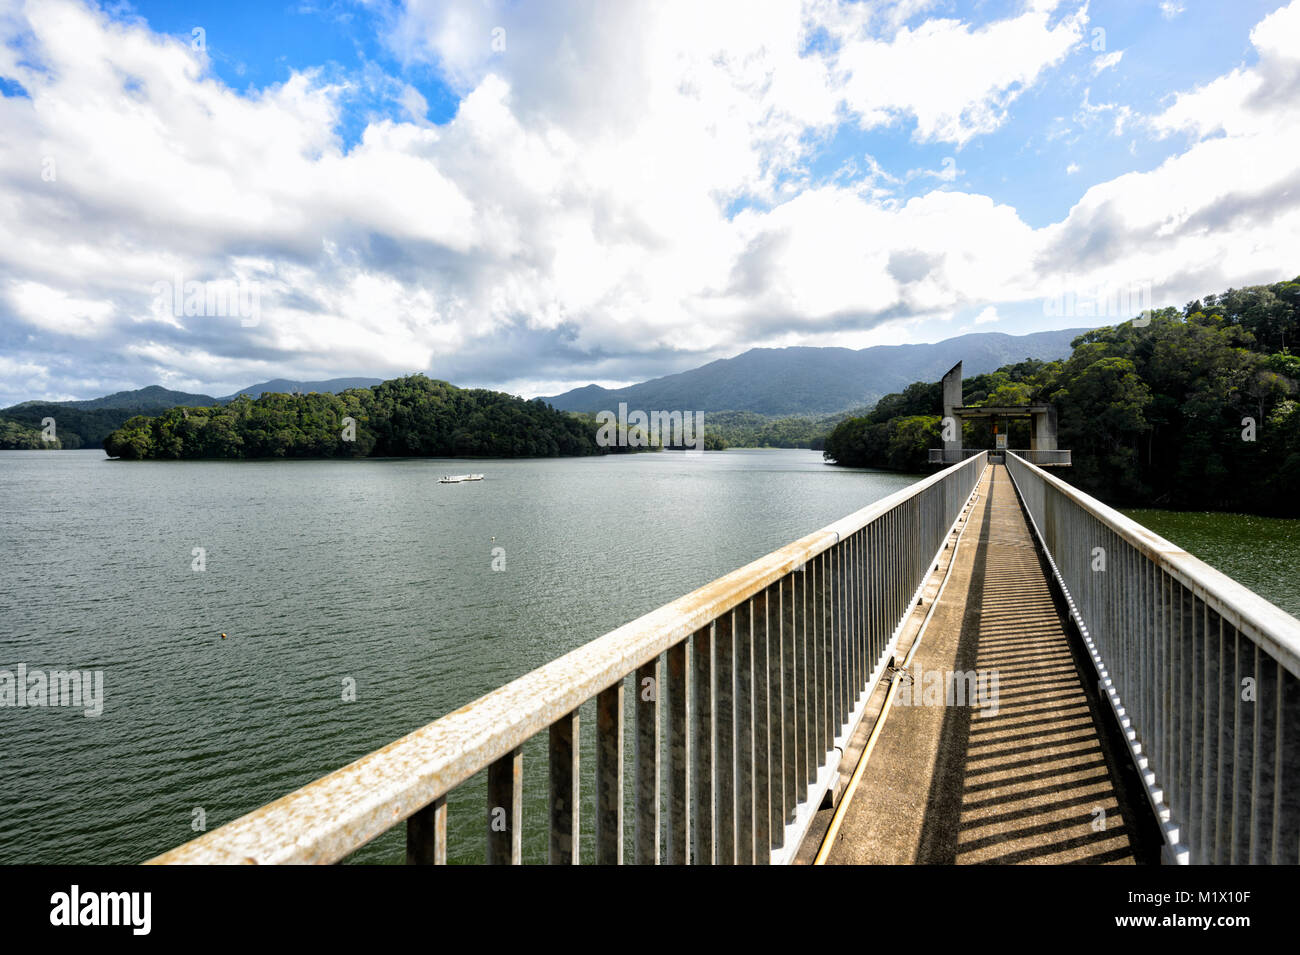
<point x="983" y="71"/>
<point x="1071" y="169"/>
<point x="572" y="218"/>
<point x="56" y="311"/>
<point x="1248" y="100"/>
<point x="1106" y="61"/>
<point x="1171" y="8"/>
<point x="578" y="196"/>
<point x="1224" y="212"/>
<point x="1089" y="113"/>
<point x="988" y="315"/>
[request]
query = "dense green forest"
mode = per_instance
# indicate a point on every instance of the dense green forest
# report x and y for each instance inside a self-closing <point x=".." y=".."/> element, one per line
<point x="1191" y="409"/>
<point x="85" y="424"/>
<point x="412" y="416"/>
<point x="74" y="427"/>
<point x="749" y="429"/>
<point x="18" y="436"/>
<point x="88" y="428"/>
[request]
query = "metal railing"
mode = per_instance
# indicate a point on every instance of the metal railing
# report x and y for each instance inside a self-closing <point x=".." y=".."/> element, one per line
<point x="953" y="455"/>
<point x="1203" y="675"/>
<point x="1041" y="458"/>
<point x="763" y="675"/>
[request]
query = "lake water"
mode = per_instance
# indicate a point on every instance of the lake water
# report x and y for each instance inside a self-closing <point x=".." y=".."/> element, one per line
<point x="320" y="572"/>
<point x="1263" y="553"/>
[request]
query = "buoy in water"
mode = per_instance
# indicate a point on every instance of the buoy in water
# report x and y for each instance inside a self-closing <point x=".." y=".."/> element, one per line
<point x="223" y="636"/>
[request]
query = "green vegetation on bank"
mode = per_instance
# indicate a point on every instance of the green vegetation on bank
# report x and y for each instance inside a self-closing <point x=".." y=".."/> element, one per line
<point x="75" y="428"/>
<point x="902" y="428"/>
<point x="749" y="429"/>
<point x="85" y="424"/>
<point x="17" y="436"/>
<point x="1193" y="410"/>
<point x="412" y="416"/>
<point x="407" y="416"/>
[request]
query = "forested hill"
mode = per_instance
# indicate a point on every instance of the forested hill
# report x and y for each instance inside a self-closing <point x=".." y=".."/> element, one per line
<point x="1196" y="409"/>
<point x="413" y="416"/>
<point x="85" y="423"/>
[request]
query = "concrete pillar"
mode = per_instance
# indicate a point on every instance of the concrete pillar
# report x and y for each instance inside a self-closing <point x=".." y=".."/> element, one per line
<point x="1044" y="435"/>
<point x="951" y="400"/>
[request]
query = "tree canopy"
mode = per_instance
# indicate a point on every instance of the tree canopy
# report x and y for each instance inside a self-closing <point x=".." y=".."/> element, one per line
<point x="412" y="416"/>
<point x="17" y="436"/>
<point x="1194" y="408"/>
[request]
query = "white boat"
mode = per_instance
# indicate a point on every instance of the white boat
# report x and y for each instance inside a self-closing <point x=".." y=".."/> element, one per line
<point x="457" y="478"/>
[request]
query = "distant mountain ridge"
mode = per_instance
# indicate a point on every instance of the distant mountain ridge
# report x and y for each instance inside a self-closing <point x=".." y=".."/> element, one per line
<point x="818" y="381"/>
<point x="158" y="398"/>
<point x="149" y="398"/>
<point x="332" y="385"/>
<point x="84" y="423"/>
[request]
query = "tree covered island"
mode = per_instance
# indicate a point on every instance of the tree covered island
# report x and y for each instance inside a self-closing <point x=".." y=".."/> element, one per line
<point x="412" y="416"/>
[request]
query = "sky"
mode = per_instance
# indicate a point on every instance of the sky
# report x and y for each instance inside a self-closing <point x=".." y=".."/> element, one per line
<point x="536" y="196"/>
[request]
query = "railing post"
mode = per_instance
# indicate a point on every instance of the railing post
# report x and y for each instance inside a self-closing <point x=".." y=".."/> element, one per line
<point x="875" y="589"/>
<point x="505" y="799"/>
<point x="743" y="642"/>
<point x="767" y="764"/>
<point x="813" y="625"/>
<point x="1243" y="765"/>
<point x="609" y="775"/>
<point x="646" y="823"/>
<point x="1264" y="778"/>
<point x="702" y="834"/>
<point x="426" y="834"/>
<point x="679" y="757"/>
<point x="1286" y="796"/>
<point x="863" y="669"/>
<point x="565" y="790"/>
<point x="791" y="703"/>
<point x="826" y="609"/>
<point x="724" y="739"/>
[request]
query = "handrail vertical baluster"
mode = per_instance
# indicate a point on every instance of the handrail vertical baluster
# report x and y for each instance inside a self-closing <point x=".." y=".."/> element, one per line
<point x="426" y="834"/>
<point x="679" y="757"/>
<point x="791" y="702"/>
<point x="1266" y="768"/>
<point x="743" y="642"/>
<point x="702" y="822"/>
<point x="766" y="762"/>
<point x="565" y="790"/>
<point x="646" y="783"/>
<point x="724" y="739"/>
<point x="609" y="775"/>
<point x="826" y="629"/>
<point x="505" y="804"/>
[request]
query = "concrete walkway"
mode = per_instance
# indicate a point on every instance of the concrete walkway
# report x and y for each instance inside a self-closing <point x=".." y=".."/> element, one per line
<point x="1024" y="774"/>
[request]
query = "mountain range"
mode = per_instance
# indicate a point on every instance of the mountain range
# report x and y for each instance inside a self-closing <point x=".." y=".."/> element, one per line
<point x="774" y="383"/>
<point x="818" y="381"/>
<point x="158" y="398"/>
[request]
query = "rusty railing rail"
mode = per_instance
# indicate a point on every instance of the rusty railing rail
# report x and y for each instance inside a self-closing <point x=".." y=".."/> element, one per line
<point x="762" y="673"/>
<point x="953" y="455"/>
<point x="1202" y="673"/>
<point x="1045" y="458"/>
